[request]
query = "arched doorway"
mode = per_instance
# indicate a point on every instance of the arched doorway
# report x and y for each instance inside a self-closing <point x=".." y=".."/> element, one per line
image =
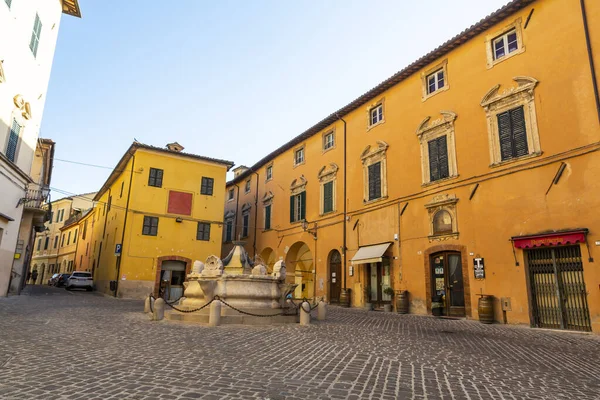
<point x="335" y="276"/>
<point x="299" y="269"/>
<point x="268" y="257"/>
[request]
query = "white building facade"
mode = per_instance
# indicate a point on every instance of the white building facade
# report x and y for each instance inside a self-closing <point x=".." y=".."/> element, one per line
<point x="29" y="31"/>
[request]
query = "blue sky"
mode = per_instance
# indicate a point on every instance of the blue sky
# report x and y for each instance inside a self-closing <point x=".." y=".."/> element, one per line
<point x="228" y="79"/>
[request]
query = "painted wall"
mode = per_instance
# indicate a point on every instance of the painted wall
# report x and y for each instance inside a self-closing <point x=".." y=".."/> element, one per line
<point x="84" y="251"/>
<point x="511" y="199"/>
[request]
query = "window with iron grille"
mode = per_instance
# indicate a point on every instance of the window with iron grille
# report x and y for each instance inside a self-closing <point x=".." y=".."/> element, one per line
<point x="150" y="226"/>
<point x="203" y="231"/>
<point x="327" y="197"/>
<point x="207" y="186"/>
<point x="268" y="217"/>
<point x="298" y="207"/>
<point x="13" y="141"/>
<point x="374" y="181"/>
<point x="245" y="224"/>
<point x="513" y="135"/>
<point x="35" y="35"/>
<point x="438" y="159"/>
<point x="155" y="177"/>
<point x="505" y="44"/>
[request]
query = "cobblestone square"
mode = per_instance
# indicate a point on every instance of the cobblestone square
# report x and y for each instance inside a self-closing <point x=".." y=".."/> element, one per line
<point x="56" y="344"/>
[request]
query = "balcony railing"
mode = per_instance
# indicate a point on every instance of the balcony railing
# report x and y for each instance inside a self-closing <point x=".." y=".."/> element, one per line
<point x="35" y="197"/>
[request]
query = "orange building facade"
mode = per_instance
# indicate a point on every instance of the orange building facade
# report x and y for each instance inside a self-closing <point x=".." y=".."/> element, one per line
<point x="470" y="172"/>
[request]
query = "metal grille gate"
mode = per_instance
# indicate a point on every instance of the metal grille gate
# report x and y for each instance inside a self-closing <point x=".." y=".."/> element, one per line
<point x="559" y="298"/>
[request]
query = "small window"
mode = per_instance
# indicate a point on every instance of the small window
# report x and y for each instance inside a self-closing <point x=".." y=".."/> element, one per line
<point x="505" y="44"/>
<point x="298" y="207"/>
<point x="513" y="134"/>
<point x="230" y="194"/>
<point x="13" y="141"/>
<point x="56" y="241"/>
<point x="69" y="239"/>
<point x="122" y="186"/>
<point x="327" y="197"/>
<point x="35" y="35"/>
<point x="299" y="156"/>
<point x="46" y="242"/>
<point x="229" y="230"/>
<point x="203" y="231"/>
<point x="84" y="229"/>
<point x="62" y="241"/>
<point x="269" y="172"/>
<point x="268" y="217"/>
<point x="435" y="81"/>
<point x="376" y="114"/>
<point x="247" y="188"/>
<point x="245" y="224"/>
<point x="328" y="141"/>
<point x="75" y="237"/>
<point x="155" y="178"/>
<point x="438" y="158"/>
<point x="150" y="226"/>
<point x="374" y="181"/>
<point x="207" y="186"/>
<point x="39" y="246"/>
<point x="442" y="223"/>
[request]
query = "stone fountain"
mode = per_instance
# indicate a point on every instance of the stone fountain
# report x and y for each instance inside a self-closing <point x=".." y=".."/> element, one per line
<point x="240" y="283"/>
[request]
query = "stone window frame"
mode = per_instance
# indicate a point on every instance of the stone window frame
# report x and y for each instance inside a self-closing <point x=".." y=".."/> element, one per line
<point x="380" y="102"/>
<point x="442" y="202"/>
<point x="232" y="191"/>
<point x="327" y="175"/>
<point x="229" y="216"/>
<point x="428" y="131"/>
<point x="296" y="150"/>
<point x="489" y="43"/>
<point x="495" y="102"/>
<point x="369" y="157"/>
<point x="248" y="186"/>
<point x="298" y="186"/>
<point x="267" y="200"/>
<point x="267" y="168"/>
<point x="323" y="136"/>
<point x="442" y="65"/>
<point x="246" y="208"/>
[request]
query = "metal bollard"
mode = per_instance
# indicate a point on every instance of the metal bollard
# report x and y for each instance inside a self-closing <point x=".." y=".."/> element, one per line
<point x="321" y="311"/>
<point x="159" y="310"/>
<point x="214" y="318"/>
<point x="305" y="313"/>
<point x="147" y="304"/>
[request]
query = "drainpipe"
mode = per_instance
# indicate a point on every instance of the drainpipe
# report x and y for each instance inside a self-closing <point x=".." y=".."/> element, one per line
<point x="590" y="57"/>
<point x="124" y="224"/>
<point x="344" y="291"/>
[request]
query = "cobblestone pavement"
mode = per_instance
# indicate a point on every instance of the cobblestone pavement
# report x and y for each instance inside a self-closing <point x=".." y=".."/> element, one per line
<point x="60" y="345"/>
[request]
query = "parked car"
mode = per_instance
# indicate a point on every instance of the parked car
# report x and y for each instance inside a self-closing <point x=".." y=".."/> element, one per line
<point x="80" y="280"/>
<point x="52" y="280"/>
<point x="61" y="280"/>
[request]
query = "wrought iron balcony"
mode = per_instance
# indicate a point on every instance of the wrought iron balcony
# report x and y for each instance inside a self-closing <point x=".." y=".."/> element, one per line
<point x="35" y="196"/>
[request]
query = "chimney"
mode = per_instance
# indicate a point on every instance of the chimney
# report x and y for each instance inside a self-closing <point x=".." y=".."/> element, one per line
<point x="239" y="170"/>
<point x="175" y="147"/>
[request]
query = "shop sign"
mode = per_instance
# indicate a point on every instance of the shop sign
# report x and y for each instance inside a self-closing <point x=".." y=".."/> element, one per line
<point x="479" y="268"/>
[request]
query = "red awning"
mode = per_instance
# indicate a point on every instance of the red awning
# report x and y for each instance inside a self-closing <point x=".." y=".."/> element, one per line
<point x="550" y="239"/>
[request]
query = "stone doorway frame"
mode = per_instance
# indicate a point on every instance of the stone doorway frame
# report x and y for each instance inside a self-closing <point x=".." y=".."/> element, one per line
<point x="158" y="267"/>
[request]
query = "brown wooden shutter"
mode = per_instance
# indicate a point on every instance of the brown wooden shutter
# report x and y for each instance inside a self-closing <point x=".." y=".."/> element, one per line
<point x="292" y="217"/>
<point x="443" y="157"/>
<point x="519" y="133"/>
<point x="434" y="167"/>
<point x="505" y="137"/>
<point x="375" y="181"/>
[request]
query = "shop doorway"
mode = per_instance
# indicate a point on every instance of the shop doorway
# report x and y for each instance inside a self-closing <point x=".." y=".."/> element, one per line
<point x="447" y="282"/>
<point x="557" y="289"/>
<point x="335" y="277"/>
<point x="172" y="276"/>
<point x="378" y="279"/>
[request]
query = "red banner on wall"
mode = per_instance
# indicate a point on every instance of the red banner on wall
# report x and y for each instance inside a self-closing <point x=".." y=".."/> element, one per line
<point x="549" y="239"/>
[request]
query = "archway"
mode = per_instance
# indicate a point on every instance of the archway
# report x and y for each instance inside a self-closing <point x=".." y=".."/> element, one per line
<point x="335" y="275"/>
<point x="299" y="269"/>
<point x="269" y="258"/>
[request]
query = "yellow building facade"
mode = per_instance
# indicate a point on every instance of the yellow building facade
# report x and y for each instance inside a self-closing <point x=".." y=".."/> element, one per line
<point x="160" y="210"/>
<point x="470" y="172"/>
<point x="83" y="253"/>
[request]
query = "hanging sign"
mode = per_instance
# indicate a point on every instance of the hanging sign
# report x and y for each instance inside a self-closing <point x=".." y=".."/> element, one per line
<point x="479" y="268"/>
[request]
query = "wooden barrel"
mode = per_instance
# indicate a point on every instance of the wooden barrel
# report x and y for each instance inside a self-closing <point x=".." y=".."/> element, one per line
<point x="402" y="301"/>
<point x="345" y="298"/>
<point x="485" y="308"/>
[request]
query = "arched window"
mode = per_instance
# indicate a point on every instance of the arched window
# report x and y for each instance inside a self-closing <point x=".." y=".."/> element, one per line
<point x="442" y="223"/>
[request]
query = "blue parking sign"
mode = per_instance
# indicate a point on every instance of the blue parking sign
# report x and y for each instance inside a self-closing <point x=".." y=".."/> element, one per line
<point x="118" y="250"/>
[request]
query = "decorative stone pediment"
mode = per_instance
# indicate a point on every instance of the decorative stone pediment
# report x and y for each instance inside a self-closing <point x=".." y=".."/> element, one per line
<point x="246" y="207"/>
<point x="443" y="224"/>
<point x="298" y="185"/>
<point x="268" y="197"/>
<point x="374" y="154"/>
<point x="525" y="86"/>
<point x="18" y="100"/>
<point x="326" y="174"/>
<point x="229" y="214"/>
<point x="444" y="123"/>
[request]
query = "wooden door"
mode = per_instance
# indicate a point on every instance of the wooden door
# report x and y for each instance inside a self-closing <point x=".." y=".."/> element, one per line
<point x="335" y="278"/>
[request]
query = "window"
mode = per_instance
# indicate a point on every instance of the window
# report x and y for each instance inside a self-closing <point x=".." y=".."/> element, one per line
<point x="269" y="172"/>
<point x="109" y="203"/>
<point x="69" y="239"/>
<point x="206" y="186"/>
<point x="245" y="223"/>
<point x="150" y="226"/>
<point x="328" y="141"/>
<point x="122" y="186"/>
<point x="155" y="177"/>
<point x="203" y="231"/>
<point x="268" y="217"/>
<point x="39" y="246"/>
<point x="247" y="187"/>
<point x="505" y="44"/>
<point x="230" y="194"/>
<point x="435" y="81"/>
<point x="374" y="181"/>
<point x="62" y="241"/>
<point x="87" y="247"/>
<point x="442" y="223"/>
<point x="75" y="237"/>
<point x="438" y="159"/>
<point x="46" y="243"/>
<point x="328" y="197"/>
<point x="229" y="230"/>
<point x="84" y="229"/>
<point x="298" y="207"/>
<point x="62" y="215"/>
<point x="299" y="156"/>
<point x="376" y="114"/>
<point x="13" y="141"/>
<point x="512" y="122"/>
<point x="442" y="217"/>
<point x="55" y="241"/>
<point x="35" y="35"/>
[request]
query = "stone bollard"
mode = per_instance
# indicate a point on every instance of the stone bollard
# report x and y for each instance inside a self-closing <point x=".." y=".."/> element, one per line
<point x="159" y="310"/>
<point x="214" y="318"/>
<point x="305" y="313"/>
<point x="147" y="305"/>
<point x="321" y="311"/>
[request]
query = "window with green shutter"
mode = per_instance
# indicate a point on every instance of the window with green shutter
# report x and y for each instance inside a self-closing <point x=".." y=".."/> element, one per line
<point x="268" y="217"/>
<point x="229" y="230"/>
<point x="13" y="141"/>
<point x="374" y="181"/>
<point x="245" y="224"/>
<point x="327" y="197"/>
<point x="438" y="159"/>
<point x="35" y="35"/>
<point x="513" y="135"/>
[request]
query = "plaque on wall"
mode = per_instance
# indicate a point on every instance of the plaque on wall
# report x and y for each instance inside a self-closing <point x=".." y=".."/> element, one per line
<point x="479" y="268"/>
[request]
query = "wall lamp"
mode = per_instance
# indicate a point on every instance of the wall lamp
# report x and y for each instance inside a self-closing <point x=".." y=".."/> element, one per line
<point x="313" y="232"/>
<point x="178" y="219"/>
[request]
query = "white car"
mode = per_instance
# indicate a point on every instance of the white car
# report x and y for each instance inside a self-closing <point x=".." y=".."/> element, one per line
<point x="80" y="280"/>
